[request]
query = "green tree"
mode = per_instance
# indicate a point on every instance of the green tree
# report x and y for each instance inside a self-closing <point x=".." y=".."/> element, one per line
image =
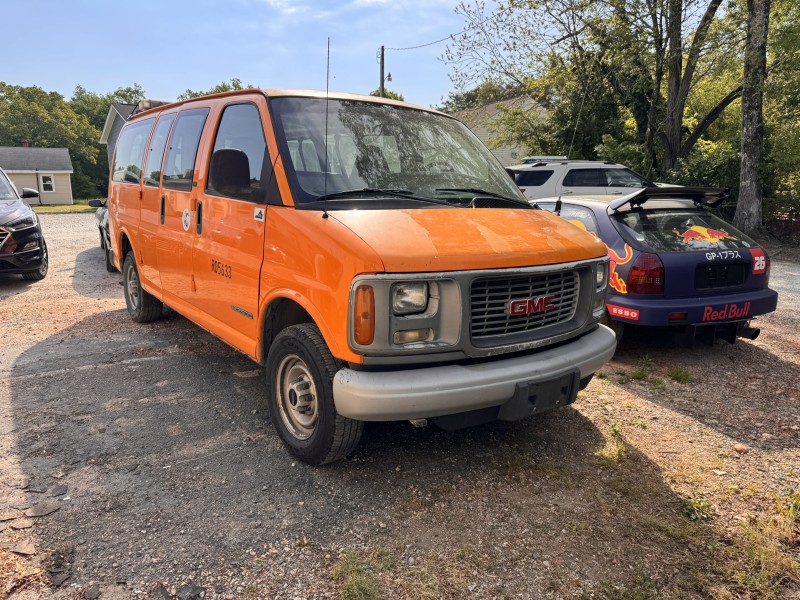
<point x="91" y="178"/>
<point x="39" y="118"/>
<point x="225" y="86"/>
<point x="650" y="54"/>
<point x="388" y="94"/>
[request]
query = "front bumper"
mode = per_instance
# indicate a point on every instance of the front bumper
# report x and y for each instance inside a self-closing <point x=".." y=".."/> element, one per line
<point x="701" y="310"/>
<point x="22" y="251"/>
<point x="450" y="389"/>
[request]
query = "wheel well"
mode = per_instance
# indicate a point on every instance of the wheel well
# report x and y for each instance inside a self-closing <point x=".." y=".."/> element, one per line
<point x="125" y="244"/>
<point x="281" y="313"/>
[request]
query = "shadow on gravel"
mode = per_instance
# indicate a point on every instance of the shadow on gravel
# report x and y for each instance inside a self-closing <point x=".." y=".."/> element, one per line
<point x="152" y="440"/>
<point x="765" y="398"/>
<point x="90" y="278"/>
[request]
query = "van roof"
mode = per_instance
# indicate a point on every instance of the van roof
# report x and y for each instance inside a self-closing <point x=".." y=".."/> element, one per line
<point x="288" y="92"/>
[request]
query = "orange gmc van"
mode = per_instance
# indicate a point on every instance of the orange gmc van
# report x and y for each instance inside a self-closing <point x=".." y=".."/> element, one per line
<point x="372" y="255"/>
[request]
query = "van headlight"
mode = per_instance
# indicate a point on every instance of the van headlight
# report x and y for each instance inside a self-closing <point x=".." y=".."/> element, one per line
<point x="409" y="297"/>
<point x="396" y="313"/>
<point x="601" y="276"/>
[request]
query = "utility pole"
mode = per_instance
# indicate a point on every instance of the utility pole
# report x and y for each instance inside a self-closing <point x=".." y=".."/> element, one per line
<point x="380" y="87"/>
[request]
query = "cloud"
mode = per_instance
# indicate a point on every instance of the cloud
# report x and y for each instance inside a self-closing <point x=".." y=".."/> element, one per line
<point x="288" y="7"/>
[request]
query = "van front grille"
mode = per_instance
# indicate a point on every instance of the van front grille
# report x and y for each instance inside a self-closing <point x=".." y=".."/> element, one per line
<point x="3" y="236"/>
<point x="519" y="304"/>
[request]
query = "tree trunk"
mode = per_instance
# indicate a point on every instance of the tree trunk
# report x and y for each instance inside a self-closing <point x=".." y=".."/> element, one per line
<point x="675" y="104"/>
<point x="748" y="209"/>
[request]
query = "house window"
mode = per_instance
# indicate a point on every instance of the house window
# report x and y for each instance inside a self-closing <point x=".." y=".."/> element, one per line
<point x="48" y="183"/>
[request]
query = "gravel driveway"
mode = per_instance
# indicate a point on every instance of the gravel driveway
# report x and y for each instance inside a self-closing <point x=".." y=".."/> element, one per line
<point x="137" y="461"/>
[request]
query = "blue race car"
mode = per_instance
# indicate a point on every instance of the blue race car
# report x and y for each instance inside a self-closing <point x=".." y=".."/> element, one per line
<point x="675" y="264"/>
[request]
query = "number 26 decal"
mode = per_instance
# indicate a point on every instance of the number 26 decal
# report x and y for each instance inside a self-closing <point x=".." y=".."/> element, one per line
<point x="759" y="261"/>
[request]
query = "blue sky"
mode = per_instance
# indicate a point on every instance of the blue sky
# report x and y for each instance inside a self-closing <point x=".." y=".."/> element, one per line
<point x="168" y="46"/>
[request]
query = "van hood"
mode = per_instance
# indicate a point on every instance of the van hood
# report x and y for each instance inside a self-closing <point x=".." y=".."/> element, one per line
<point x="11" y="210"/>
<point x="462" y="239"/>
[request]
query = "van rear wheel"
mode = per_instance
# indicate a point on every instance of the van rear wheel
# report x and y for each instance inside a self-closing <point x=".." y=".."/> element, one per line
<point x="300" y="370"/>
<point x="142" y="306"/>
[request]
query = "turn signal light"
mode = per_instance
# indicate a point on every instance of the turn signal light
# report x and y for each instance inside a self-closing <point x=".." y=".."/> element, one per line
<point x="364" y="316"/>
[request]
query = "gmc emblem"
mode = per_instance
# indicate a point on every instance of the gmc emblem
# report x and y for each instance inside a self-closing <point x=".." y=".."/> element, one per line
<point x="517" y="308"/>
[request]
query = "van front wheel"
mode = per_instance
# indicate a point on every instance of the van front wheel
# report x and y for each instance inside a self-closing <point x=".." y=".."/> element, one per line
<point x="142" y="306"/>
<point x="300" y="370"/>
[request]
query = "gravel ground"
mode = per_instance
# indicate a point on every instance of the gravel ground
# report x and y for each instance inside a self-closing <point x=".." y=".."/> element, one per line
<point x="136" y="462"/>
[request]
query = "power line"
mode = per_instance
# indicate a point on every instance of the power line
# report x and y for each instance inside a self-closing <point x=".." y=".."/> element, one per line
<point x="452" y="35"/>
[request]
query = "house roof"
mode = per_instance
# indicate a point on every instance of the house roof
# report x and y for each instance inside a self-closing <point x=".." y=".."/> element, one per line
<point x="18" y="159"/>
<point x="118" y="110"/>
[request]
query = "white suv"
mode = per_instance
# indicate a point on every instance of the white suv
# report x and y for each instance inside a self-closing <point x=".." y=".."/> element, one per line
<point x="561" y="177"/>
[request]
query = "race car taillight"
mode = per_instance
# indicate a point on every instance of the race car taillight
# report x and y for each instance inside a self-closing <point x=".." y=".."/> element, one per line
<point x="646" y="275"/>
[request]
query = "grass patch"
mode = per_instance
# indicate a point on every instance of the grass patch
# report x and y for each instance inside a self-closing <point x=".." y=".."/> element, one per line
<point x="380" y="574"/>
<point x="761" y="560"/>
<point x="697" y="509"/>
<point x="77" y="206"/>
<point x="679" y="375"/>
<point x="658" y="384"/>
<point x="357" y="577"/>
<point x="644" y="369"/>
<point x="614" y="452"/>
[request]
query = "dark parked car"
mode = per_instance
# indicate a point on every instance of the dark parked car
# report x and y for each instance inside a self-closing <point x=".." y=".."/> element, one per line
<point x="101" y="215"/>
<point x="674" y="263"/>
<point x="22" y="246"/>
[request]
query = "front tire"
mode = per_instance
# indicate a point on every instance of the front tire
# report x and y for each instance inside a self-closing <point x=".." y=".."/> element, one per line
<point x="110" y="261"/>
<point x="300" y="370"/>
<point x="142" y="306"/>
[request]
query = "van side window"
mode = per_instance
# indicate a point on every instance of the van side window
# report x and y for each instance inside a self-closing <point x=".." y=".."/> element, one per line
<point x="179" y="166"/>
<point x="152" y="172"/>
<point x="239" y="171"/>
<point x="129" y="154"/>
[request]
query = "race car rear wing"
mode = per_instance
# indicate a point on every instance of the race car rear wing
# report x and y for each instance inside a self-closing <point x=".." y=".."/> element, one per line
<point x="701" y="196"/>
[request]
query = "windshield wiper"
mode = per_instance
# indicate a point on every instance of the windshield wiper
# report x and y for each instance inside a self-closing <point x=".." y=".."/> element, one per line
<point x="372" y="192"/>
<point x="480" y="192"/>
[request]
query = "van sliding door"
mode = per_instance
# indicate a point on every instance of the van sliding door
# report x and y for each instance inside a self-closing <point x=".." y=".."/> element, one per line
<point x="178" y="208"/>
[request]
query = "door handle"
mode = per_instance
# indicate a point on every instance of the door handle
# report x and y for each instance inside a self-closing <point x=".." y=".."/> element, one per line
<point x="566" y="192"/>
<point x="163" y="206"/>
<point x="199" y="224"/>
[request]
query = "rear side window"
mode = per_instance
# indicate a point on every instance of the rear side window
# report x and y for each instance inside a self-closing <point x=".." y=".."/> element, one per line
<point x="129" y="155"/>
<point x="580" y="216"/>
<point x="585" y="178"/>
<point x="625" y="178"/>
<point x="152" y="172"/>
<point x="243" y="169"/>
<point x="179" y="166"/>
<point x="532" y="178"/>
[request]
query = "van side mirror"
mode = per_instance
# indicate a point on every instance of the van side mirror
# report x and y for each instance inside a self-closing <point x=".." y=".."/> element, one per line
<point x="29" y="193"/>
<point x="97" y="203"/>
<point x="229" y="173"/>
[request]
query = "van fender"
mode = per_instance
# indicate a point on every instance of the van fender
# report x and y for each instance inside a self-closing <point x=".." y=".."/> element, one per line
<point x="303" y="303"/>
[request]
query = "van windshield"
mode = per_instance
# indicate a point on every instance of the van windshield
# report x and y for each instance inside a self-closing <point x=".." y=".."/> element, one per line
<point x="369" y="152"/>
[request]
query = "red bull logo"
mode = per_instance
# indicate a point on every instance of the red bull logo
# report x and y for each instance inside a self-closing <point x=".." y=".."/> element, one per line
<point x="614" y="280"/>
<point x="703" y="234"/>
<point x="730" y="311"/>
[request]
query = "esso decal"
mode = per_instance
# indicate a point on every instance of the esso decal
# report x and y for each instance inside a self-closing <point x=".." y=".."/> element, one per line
<point x="624" y="313"/>
<point x="759" y="261"/>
